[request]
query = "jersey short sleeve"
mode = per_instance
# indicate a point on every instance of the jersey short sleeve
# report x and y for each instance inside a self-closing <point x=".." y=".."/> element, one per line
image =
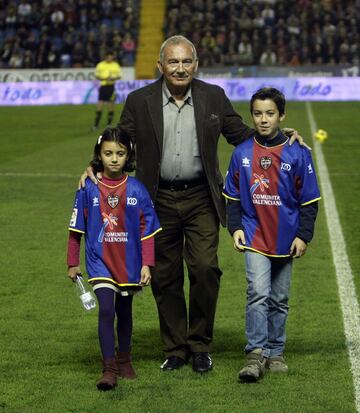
<point x="232" y="185"/>
<point x="77" y="221"/>
<point x="149" y="222"/>
<point x="308" y="189"/>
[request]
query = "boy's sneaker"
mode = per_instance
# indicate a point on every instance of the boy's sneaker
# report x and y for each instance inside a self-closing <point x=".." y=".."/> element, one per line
<point x="254" y="367"/>
<point x="277" y="364"/>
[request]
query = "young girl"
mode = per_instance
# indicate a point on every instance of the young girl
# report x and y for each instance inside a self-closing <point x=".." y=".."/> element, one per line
<point x="119" y="223"/>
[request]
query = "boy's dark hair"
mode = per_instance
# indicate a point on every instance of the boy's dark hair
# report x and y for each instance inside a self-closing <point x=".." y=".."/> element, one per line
<point x="269" y="93"/>
<point x="114" y="135"/>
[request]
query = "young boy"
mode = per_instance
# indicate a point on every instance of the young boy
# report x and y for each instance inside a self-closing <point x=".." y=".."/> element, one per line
<point x="273" y="196"/>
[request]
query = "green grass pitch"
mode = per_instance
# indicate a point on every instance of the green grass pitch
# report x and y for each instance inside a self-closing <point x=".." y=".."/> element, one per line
<point x="48" y="345"/>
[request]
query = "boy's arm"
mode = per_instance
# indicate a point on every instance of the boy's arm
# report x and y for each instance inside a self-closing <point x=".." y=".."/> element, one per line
<point x="305" y="232"/>
<point x="298" y="248"/>
<point x="308" y="215"/>
<point x="234" y="214"/>
<point x="239" y="240"/>
<point x="235" y="225"/>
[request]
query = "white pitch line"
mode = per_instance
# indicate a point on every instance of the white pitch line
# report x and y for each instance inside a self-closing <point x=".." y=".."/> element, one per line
<point x="347" y="291"/>
<point x="37" y="175"/>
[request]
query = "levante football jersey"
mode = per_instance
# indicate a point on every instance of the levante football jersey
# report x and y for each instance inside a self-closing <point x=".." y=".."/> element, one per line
<point x="114" y="219"/>
<point x="272" y="183"/>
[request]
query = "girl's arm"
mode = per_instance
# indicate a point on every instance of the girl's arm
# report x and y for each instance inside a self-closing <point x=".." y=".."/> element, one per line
<point x="148" y="252"/>
<point x="73" y="254"/>
<point x="148" y="260"/>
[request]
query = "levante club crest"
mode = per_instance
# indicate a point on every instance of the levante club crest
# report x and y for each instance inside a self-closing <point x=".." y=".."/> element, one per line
<point x="265" y="162"/>
<point x="113" y="200"/>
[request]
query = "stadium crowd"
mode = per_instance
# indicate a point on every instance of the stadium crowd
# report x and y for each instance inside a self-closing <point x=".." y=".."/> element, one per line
<point x="66" y="33"/>
<point x="76" y="33"/>
<point x="268" y="32"/>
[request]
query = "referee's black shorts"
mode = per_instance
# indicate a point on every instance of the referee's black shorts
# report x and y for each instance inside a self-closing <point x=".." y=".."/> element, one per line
<point x="107" y="93"/>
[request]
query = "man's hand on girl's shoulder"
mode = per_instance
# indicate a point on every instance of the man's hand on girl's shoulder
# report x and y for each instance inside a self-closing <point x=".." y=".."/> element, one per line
<point x="89" y="173"/>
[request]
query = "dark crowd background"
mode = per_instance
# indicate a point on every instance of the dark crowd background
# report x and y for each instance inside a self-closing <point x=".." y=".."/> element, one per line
<point x="76" y="33"/>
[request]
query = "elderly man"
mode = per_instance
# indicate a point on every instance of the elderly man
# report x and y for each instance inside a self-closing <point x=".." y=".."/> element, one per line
<point x="176" y="123"/>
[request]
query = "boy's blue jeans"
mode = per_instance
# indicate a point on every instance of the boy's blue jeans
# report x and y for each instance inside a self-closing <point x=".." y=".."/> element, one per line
<point x="267" y="307"/>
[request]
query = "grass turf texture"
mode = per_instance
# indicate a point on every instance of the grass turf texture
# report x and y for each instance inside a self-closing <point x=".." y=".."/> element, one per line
<point x="48" y="345"/>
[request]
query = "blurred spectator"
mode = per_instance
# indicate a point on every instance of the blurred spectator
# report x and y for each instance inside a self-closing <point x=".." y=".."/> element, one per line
<point x="268" y="57"/>
<point x="24" y="10"/>
<point x="128" y="47"/>
<point x="258" y="19"/>
<point x="245" y="50"/>
<point x="268" y="15"/>
<point x="57" y="16"/>
<point x="16" y="59"/>
<point x="6" y="52"/>
<point x="53" y="57"/>
<point x="28" y="60"/>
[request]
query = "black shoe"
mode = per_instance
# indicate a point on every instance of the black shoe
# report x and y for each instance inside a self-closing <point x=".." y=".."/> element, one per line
<point x="201" y="362"/>
<point x="172" y="363"/>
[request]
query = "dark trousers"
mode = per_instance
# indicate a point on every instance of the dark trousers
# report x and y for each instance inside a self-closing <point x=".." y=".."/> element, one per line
<point x="190" y="232"/>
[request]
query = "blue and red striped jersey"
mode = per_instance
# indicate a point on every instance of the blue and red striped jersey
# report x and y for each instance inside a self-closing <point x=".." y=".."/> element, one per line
<point x="115" y="219"/>
<point x="272" y="183"/>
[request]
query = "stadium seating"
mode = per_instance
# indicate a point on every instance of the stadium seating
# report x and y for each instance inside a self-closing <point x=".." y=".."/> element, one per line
<point x="268" y="32"/>
<point x="76" y="33"/>
<point x="67" y="33"/>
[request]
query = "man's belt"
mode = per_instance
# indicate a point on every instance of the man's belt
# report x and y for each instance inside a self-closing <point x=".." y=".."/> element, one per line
<point x="181" y="185"/>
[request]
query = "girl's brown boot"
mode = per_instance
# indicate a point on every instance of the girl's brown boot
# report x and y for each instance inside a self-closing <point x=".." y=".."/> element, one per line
<point x="125" y="367"/>
<point x="108" y="381"/>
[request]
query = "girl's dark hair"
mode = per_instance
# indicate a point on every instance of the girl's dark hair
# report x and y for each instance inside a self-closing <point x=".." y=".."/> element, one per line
<point x="269" y="93"/>
<point x="117" y="135"/>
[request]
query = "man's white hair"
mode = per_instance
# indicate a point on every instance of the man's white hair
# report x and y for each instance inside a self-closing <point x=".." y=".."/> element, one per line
<point x="176" y="40"/>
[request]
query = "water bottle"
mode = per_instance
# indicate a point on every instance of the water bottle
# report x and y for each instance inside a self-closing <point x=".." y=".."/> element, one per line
<point x="85" y="293"/>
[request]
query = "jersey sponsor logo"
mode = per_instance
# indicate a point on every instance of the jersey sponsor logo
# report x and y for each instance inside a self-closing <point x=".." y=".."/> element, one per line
<point x="265" y="162"/>
<point x="113" y="236"/>
<point x="245" y="162"/>
<point x="73" y="217"/>
<point x="113" y="200"/>
<point x="263" y="198"/>
<point x="95" y="201"/>
<point x="131" y="201"/>
<point x="108" y="221"/>
<point x="285" y="166"/>
<point x="310" y="169"/>
<point x="259" y="182"/>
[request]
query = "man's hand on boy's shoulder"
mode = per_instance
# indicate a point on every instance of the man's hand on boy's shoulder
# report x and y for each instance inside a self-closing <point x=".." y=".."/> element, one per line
<point x="294" y="136"/>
